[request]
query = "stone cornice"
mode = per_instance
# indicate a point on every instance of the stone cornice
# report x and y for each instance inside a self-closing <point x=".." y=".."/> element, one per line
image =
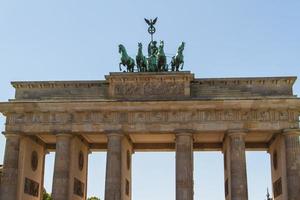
<point x="211" y="81"/>
<point x="290" y="80"/>
<point x="57" y="84"/>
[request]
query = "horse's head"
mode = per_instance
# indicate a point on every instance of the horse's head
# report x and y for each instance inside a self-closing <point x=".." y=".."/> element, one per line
<point x="161" y="43"/>
<point x="121" y="48"/>
<point x="140" y="45"/>
<point x="161" y="47"/>
<point x="181" y="47"/>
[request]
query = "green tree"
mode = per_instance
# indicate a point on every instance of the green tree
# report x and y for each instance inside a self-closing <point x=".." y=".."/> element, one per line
<point x="93" y="198"/>
<point x="46" y="196"/>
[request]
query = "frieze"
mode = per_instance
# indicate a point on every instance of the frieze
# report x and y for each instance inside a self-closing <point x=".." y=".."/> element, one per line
<point x="152" y="116"/>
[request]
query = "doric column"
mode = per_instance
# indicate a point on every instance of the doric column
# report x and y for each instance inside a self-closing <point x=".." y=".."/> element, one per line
<point x="292" y="154"/>
<point x="60" y="187"/>
<point x="118" y="167"/>
<point x="113" y="166"/>
<point x="184" y="166"/>
<point x="9" y="182"/>
<point x="235" y="166"/>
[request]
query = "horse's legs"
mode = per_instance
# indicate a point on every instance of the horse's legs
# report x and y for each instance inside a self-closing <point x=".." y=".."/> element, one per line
<point x="120" y="66"/>
<point x="182" y="65"/>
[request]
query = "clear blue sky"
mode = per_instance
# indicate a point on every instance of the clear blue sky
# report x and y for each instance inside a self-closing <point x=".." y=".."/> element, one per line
<point x="77" y="40"/>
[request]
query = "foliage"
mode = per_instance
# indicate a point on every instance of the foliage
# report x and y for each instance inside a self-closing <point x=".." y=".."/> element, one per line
<point x="46" y="196"/>
<point x="93" y="198"/>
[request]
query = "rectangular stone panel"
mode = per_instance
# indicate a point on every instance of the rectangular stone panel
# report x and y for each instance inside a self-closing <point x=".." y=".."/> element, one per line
<point x="78" y="188"/>
<point x="277" y="187"/>
<point x="149" y="85"/>
<point x="31" y="187"/>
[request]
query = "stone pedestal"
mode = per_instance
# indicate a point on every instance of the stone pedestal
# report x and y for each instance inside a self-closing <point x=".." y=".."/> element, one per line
<point x="118" y="167"/>
<point x="235" y="166"/>
<point x="9" y="182"/>
<point x="184" y="166"/>
<point x="292" y="154"/>
<point x="61" y="180"/>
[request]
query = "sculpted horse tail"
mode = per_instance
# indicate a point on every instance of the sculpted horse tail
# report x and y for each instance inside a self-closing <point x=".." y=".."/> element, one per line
<point x="126" y="60"/>
<point x="141" y="60"/>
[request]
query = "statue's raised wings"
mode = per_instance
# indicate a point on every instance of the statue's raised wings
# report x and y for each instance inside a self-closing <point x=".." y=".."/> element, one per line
<point x="150" y="22"/>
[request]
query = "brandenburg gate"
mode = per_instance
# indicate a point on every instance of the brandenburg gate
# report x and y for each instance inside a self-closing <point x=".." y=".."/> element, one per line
<point x="149" y="111"/>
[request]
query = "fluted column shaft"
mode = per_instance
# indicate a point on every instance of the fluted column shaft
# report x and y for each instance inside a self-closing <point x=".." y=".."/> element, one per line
<point x="238" y="172"/>
<point x="184" y="166"/>
<point x="113" y="167"/>
<point x="60" y="188"/>
<point x="9" y="182"/>
<point x="292" y="152"/>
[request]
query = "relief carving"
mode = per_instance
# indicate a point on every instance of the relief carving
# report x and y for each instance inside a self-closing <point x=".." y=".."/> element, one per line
<point x="153" y="116"/>
<point x="78" y="188"/>
<point x="149" y="89"/>
<point x="31" y="187"/>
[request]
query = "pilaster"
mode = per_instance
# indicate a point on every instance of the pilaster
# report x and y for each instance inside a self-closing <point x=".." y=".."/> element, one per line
<point x="9" y="182"/>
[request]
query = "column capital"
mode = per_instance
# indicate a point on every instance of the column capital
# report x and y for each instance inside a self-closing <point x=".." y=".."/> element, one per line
<point x="236" y="132"/>
<point x="291" y="131"/>
<point x="118" y="133"/>
<point x="11" y="134"/>
<point x="184" y="132"/>
<point x="66" y="134"/>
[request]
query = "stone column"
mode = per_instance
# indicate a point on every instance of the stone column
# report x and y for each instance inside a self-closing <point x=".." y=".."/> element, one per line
<point x="9" y="182"/>
<point x="60" y="187"/>
<point x="113" y="185"/>
<point x="235" y="162"/>
<point x="292" y="152"/>
<point x="184" y="166"/>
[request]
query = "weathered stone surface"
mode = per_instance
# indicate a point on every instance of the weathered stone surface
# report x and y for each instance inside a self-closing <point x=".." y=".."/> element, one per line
<point x="139" y="116"/>
<point x="167" y="85"/>
<point x="292" y="150"/>
<point x="41" y="90"/>
<point x="242" y="87"/>
<point x="9" y="182"/>
<point x="113" y="186"/>
<point x="149" y="85"/>
<point x="118" y="167"/>
<point x="184" y="166"/>
<point x="148" y="109"/>
<point x="61" y="175"/>
<point x="235" y="163"/>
